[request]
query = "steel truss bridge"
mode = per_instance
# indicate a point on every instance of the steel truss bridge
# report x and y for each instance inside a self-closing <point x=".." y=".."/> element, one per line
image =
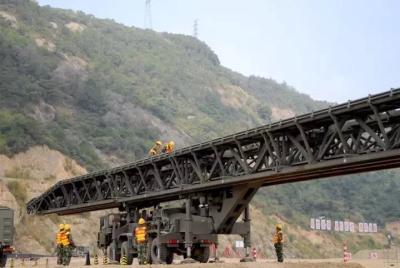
<point x="353" y="137"/>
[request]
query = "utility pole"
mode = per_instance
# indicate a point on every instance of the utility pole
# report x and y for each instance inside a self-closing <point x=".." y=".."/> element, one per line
<point x="195" y="28"/>
<point x="147" y="15"/>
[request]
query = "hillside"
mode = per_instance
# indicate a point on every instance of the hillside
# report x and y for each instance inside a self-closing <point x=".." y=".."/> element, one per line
<point x="99" y="93"/>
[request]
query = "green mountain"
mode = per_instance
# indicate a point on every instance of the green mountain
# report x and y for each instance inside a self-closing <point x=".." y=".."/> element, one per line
<point x="102" y="93"/>
<point x="90" y="87"/>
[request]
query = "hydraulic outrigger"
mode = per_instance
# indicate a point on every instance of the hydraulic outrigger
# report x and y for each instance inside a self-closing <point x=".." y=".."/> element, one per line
<point x="217" y="179"/>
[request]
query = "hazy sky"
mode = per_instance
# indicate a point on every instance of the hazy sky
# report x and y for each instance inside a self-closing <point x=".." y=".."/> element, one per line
<point x="330" y="49"/>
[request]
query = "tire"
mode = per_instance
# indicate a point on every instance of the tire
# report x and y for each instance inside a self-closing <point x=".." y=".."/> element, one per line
<point x="201" y="254"/>
<point x="166" y="255"/>
<point x="112" y="254"/>
<point x="125" y="252"/>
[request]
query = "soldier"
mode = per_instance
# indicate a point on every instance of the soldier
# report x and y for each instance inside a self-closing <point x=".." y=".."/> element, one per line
<point x="141" y="240"/>
<point x="59" y="248"/>
<point x="156" y="149"/>
<point x="278" y="242"/>
<point x="169" y="147"/>
<point x="68" y="245"/>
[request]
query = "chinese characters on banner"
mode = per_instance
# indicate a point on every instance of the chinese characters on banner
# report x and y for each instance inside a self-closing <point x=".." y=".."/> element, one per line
<point x="342" y="226"/>
<point x="328" y="225"/>
<point x="352" y="227"/>
<point x="323" y="224"/>
<point x="336" y="226"/>
<point x="346" y="226"/>
<point x="361" y="227"/>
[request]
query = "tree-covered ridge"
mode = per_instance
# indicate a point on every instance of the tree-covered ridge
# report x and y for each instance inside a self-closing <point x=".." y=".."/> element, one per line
<point x="112" y="89"/>
<point x="373" y="196"/>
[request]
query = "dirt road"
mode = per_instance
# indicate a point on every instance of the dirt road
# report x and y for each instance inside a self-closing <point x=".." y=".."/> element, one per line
<point x="229" y="263"/>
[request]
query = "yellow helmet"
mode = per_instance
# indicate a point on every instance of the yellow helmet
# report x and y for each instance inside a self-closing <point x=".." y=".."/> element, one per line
<point x="279" y="226"/>
<point x="67" y="227"/>
<point x="172" y="143"/>
<point x="158" y="142"/>
<point x="141" y="221"/>
<point x="62" y="226"/>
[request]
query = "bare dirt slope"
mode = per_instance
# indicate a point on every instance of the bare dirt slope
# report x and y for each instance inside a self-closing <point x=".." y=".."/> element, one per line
<point x="29" y="174"/>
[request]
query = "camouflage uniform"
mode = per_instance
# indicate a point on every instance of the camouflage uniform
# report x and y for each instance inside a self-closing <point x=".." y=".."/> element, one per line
<point x="59" y="248"/>
<point x="141" y="240"/>
<point x="60" y="253"/>
<point x="278" y="243"/>
<point x="142" y="253"/>
<point x="68" y="246"/>
<point x="279" y="251"/>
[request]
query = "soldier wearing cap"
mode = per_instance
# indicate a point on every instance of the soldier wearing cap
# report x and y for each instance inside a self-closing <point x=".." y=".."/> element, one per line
<point x="141" y="240"/>
<point x="278" y="242"/>
<point x="59" y="248"/>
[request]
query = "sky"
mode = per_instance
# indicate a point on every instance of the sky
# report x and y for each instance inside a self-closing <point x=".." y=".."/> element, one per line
<point x="332" y="50"/>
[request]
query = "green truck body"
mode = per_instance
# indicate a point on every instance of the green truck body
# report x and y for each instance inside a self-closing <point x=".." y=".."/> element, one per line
<point x="6" y="233"/>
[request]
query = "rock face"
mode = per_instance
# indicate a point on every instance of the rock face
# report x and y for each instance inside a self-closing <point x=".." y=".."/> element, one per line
<point x="39" y="163"/>
<point x="29" y="174"/>
<point x="10" y="18"/>
<point x="75" y="27"/>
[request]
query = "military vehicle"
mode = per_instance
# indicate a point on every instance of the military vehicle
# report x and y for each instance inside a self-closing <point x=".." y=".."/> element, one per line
<point x="170" y="230"/>
<point x="6" y="233"/>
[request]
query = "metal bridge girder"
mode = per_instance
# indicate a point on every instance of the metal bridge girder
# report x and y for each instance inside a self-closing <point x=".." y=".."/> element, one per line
<point x="356" y="132"/>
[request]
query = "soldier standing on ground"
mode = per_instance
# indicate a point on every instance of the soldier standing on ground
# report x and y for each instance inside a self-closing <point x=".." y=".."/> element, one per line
<point x="68" y="245"/>
<point x="278" y="242"/>
<point x="141" y="240"/>
<point x="59" y="248"/>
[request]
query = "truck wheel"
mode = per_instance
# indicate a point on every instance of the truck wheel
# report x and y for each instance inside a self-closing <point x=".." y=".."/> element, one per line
<point x="166" y="255"/>
<point x="125" y="252"/>
<point x="3" y="261"/>
<point x="112" y="254"/>
<point x="201" y="254"/>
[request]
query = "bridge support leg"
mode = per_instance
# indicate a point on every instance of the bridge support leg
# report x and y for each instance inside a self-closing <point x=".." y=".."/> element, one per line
<point x="247" y="236"/>
<point x="188" y="232"/>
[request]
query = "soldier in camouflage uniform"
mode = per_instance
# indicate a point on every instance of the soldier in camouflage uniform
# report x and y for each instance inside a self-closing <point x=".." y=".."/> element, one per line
<point x="59" y="248"/>
<point x="278" y="242"/>
<point x="68" y="245"/>
<point x="141" y="240"/>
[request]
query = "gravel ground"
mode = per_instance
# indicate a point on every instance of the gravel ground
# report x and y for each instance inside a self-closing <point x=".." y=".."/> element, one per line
<point x="228" y="263"/>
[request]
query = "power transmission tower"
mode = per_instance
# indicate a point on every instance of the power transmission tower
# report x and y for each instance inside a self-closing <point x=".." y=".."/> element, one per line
<point x="147" y="16"/>
<point x="195" y="28"/>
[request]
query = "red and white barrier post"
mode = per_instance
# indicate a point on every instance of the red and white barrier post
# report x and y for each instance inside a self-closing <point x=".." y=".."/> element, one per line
<point x="254" y="251"/>
<point x="346" y="253"/>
